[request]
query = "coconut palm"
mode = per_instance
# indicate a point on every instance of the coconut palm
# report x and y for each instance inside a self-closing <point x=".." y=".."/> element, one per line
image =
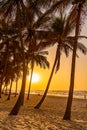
<point x="10" y="73"/>
<point x="79" y="4"/>
<point x="63" y="27"/>
<point x="7" y="37"/>
<point x="38" y="58"/>
<point x="22" y="23"/>
<point x="10" y="7"/>
<point x="7" y="49"/>
<point x="58" y="27"/>
<point x="21" y="96"/>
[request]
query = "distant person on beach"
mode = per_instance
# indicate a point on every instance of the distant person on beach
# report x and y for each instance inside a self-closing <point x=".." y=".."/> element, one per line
<point x="85" y="96"/>
<point x="85" y="99"/>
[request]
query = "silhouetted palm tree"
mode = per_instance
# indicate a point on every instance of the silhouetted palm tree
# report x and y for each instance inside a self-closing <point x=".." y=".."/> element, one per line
<point x="19" y="13"/>
<point x="63" y="27"/>
<point x="6" y="56"/>
<point x="38" y="58"/>
<point x="10" y="73"/>
<point x="9" y="94"/>
<point x="79" y="5"/>
<point x="58" y="27"/>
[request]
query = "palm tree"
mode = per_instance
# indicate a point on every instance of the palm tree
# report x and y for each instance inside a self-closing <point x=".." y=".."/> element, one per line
<point x="9" y="94"/>
<point x="67" y="115"/>
<point x="22" y="92"/>
<point x="5" y="65"/>
<point x="16" y="89"/>
<point x="19" y="26"/>
<point x="38" y="58"/>
<point x="63" y="27"/>
<point x="10" y="73"/>
<point x="58" y="27"/>
<point x="20" y="11"/>
<point x="32" y="67"/>
<point x="6" y="83"/>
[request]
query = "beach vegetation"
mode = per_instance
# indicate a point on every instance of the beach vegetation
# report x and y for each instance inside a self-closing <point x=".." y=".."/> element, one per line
<point x="27" y="28"/>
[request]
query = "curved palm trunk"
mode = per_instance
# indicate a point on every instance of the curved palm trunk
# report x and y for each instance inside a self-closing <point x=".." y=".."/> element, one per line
<point x="30" y="81"/>
<point x="67" y="115"/>
<point x="49" y="81"/>
<point x="9" y="95"/>
<point x="20" y="100"/>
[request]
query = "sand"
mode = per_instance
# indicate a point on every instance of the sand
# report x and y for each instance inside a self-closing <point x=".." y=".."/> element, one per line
<point x="48" y="117"/>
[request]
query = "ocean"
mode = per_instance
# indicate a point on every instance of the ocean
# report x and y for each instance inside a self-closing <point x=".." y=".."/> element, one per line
<point x="77" y="94"/>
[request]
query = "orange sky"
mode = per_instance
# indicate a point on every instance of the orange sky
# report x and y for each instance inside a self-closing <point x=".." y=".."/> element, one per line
<point x="61" y="80"/>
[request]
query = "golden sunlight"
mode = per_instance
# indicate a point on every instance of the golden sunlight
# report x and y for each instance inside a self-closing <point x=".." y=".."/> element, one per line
<point x="35" y="77"/>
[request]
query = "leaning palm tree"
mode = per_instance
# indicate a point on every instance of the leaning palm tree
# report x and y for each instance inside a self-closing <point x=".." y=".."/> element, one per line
<point x="79" y="5"/>
<point x="63" y="27"/>
<point x="59" y="28"/>
<point x="22" y="92"/>
<point x="20" y="9"/>
<point x="7" y="9"/>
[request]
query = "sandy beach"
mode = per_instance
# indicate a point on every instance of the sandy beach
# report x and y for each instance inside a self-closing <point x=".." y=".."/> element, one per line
<point x="48" y="117"/>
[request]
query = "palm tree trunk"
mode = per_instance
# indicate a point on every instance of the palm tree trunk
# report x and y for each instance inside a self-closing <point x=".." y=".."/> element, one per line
<point x="16" y="87"/>
<point x="3" y="89"/>
<point x="4" y="70"/>
<point x="67" y="115"/>
<point x="6" y="90"/>
<point x="9" y="95"/>
<point x="20" y="100"/>
<point x="30" y="81"/>
<point x="49" y="81"/>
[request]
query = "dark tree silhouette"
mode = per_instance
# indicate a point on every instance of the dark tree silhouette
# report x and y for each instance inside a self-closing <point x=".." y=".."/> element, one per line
<point x="67" y="115"/>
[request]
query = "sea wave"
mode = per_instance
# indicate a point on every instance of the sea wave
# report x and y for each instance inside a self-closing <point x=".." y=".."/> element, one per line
<point x="77" y="94"/>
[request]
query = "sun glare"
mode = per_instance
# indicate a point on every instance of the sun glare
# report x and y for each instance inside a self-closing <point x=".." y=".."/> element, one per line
<point x="35" y="77"/>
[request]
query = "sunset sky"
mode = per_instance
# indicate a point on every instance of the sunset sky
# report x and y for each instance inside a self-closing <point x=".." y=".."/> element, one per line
<point x="61" y="79"/>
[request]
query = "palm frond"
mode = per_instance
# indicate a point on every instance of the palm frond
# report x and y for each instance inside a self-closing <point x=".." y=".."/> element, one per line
<point x="70" y="21"/>
<point x="42" y="53"/>
<point x="52" y="8"/>
<point x="67" y="49"/>
<point x="3" y="3"/>
<point x="80" y="37"/>
<point x="82" y="48"/>
<point x="58" y="24"/>
<point x="40" y="60"/>
<point x="45" y="44"/>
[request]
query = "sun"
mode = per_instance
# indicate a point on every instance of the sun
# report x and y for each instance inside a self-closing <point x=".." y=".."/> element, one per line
<point x="35" y="77"/>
